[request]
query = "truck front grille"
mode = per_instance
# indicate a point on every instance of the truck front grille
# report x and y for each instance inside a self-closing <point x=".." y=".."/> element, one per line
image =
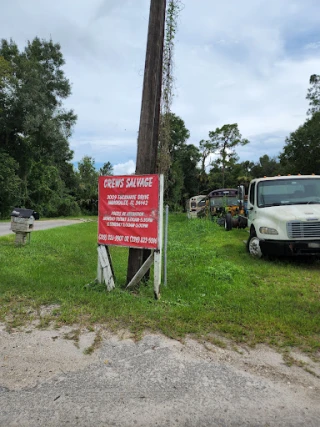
<point x="303" y="230"/>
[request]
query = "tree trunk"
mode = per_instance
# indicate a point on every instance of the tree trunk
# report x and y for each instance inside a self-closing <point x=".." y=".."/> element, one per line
<point x="146" y="161"/>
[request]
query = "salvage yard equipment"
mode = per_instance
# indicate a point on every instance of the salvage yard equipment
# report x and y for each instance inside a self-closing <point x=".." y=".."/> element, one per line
<point x="228" y="207"/>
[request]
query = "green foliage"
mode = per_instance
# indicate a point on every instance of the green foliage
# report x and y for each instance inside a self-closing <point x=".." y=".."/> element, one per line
<point x="9" y="184"/>
<point x="179" y="134"/>
<point x="5" y="71"/>
<point x="313" y="94"/>
<point x="34" y="126"/>
<point x="107" y="169"/>
<point x="68" y="206"/>
<point x="183" y="175"/>
<point x="206" y="148"/>
<point x="188" y="157"/>
<point x="174" y="191"/>
<point x="301" y="153"/>
<point x="87" y="191"/>
<point x="266" y="166"/>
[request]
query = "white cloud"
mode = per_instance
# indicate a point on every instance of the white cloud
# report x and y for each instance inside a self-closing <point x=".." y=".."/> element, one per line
<point x="314" y="45"/>
<point x="127" y="168"/>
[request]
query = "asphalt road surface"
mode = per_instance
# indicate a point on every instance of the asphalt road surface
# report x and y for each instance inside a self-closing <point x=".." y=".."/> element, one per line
<point x="39" y="225"/>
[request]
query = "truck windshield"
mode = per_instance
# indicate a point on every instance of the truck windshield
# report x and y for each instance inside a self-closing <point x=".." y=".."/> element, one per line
<point x="289" y="191"/>
<point x="223" y="201"/>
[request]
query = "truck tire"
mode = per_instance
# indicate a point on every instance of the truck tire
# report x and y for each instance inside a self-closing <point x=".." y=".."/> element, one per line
<point x="242" y="221"/>
<point x="228" y="222"/>
<point x="253" y="246"/>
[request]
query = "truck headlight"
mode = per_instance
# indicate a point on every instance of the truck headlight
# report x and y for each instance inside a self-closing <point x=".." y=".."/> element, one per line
<point x="268" y="230"/>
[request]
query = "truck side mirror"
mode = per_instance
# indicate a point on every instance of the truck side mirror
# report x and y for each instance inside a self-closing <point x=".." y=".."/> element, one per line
<point x="241" y="192"/>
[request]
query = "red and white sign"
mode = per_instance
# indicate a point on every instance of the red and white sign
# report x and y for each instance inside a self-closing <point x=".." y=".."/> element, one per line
<point x="129" y="211"/>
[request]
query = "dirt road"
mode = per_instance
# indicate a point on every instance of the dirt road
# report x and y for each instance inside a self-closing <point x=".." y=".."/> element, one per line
<point x="46" y="380"/>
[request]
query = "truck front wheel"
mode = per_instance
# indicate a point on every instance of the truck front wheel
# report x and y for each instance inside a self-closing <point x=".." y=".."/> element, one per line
<point x="253" y="246"/>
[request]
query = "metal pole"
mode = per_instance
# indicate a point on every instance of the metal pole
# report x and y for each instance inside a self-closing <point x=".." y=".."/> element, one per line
<point x="165" y="247"/>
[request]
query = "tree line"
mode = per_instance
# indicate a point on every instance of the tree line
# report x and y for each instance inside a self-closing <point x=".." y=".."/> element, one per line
<point x="36" y="169"/>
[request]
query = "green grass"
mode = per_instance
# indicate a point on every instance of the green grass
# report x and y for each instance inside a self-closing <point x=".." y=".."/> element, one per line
<point x="215" y="289"/>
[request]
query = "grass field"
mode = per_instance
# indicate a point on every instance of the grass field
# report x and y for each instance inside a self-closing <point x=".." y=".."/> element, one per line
<point x="215" y="289"/>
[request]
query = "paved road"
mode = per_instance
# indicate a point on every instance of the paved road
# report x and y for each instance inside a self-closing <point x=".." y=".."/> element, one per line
<point x="39" y="225"/>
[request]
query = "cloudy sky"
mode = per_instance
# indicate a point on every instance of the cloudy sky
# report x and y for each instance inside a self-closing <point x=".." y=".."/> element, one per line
<point x="246" y="62"/>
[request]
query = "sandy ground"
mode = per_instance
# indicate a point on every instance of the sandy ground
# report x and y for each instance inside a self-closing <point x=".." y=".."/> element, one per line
<point x="46" y="379"/>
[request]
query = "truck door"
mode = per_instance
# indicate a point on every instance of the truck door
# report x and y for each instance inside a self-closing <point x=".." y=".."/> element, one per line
<point x="252" y="203"/>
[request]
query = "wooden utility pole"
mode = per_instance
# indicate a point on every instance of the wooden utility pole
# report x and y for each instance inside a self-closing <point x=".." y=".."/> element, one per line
<point x="146" y="161"/>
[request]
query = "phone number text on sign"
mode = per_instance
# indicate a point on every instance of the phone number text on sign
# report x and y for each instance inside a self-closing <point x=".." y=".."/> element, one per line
<point x="129" y="211"/>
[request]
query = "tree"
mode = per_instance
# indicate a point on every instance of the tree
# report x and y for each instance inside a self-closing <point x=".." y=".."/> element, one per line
<point x="177" y="135"/>
<point x="224" y="140"/>
<point x="9" y="184"/>
<point x="87" y="193"/>
<point x="230" y="176"/>
<point x="183" y="174"/>
<point x="107" y="169"/>
<point x="4" y="71"/>
<point x="206" y="148"/>
<point x="266" y="166"/>
<point x="301" y="153"/>
<point x="34" y="126"/>
<point x="189" y="157"/>
<point x="313" y="94"/>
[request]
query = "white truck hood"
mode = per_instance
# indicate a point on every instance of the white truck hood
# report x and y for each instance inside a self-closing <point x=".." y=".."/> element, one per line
<point x="309" y="212"/>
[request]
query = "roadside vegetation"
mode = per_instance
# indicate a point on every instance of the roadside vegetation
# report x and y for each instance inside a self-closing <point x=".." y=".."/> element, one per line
<point x="215" y="290"/>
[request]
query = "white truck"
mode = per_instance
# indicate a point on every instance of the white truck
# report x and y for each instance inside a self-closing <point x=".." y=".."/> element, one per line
<point x="284" y="216"/>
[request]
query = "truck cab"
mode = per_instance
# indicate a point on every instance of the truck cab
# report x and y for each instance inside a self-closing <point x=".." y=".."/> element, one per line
<point x="284" y="215"/>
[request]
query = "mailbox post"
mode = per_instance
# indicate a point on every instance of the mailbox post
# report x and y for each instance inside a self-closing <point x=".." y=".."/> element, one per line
<point x="22" y="224"/>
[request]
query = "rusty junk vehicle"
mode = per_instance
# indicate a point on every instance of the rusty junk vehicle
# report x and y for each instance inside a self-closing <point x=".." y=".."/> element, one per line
<point x="195" y="206"/>
<point x="228" y="206"/>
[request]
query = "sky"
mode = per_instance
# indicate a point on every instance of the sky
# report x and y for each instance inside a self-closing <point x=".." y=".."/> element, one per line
<point x="246" y="62"/>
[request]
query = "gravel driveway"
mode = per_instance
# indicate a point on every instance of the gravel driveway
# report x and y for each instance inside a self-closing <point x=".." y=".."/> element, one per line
<point x="45" y="380"/>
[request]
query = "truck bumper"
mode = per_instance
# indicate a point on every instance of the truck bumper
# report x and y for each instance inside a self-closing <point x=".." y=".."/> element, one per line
<point x="290" y="247"/>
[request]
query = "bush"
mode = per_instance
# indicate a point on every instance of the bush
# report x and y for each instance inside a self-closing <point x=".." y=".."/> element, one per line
<point x="68" y="207"/>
